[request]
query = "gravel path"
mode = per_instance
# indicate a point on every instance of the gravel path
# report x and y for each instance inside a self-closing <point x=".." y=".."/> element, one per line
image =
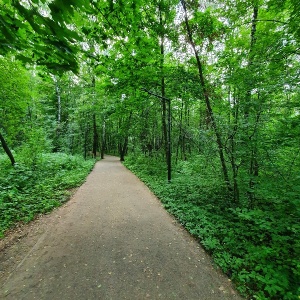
<point x="112" y="240"/>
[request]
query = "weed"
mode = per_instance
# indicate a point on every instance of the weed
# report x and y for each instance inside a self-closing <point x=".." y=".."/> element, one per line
<point x="30" y="189"/>
<point x="257" y="248"/>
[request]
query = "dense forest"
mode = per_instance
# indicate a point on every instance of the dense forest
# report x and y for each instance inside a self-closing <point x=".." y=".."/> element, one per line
<point x="200" y="99"/>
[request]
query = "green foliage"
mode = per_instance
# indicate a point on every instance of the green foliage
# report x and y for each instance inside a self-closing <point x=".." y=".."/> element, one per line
<point x="258" y="248"/>
<point x="249" y="53"/>
<point x="36" y="144"/>
<point x="14" y="95"/>
<point x="30" y="189"/>
<point x="206" y="26"/>
<point x="47" y="27"/>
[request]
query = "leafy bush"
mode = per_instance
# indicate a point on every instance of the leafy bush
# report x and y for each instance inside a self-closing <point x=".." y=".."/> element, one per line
<point x="258" y="248"/>
<point x="29" y="189"/>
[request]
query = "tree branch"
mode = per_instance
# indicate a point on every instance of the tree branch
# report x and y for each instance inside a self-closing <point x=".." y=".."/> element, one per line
<point x="153" y="94"/>
<point x="7" y="150"/>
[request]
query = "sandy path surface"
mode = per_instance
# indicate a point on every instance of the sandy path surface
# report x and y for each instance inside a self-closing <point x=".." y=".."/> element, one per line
<point x="112" y="240"/>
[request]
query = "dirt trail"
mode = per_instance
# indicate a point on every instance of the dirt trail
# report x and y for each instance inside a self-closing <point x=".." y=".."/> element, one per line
<point x="112" y="240"/>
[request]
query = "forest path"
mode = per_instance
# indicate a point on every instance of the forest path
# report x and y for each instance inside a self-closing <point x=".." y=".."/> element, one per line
<point x="112" y="240"/>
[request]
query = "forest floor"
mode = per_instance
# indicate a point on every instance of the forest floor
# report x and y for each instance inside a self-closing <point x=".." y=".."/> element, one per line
<point x="112" y="240"/>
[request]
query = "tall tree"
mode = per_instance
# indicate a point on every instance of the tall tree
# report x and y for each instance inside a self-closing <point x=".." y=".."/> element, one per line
<point x="204" y="19"/>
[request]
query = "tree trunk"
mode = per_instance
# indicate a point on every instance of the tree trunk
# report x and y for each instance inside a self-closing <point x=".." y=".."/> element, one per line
<point x="95" y="139"/>
<point x="123" y="140"/>
<point x="207" y="100"/>
<point x="232" y="155"/>
<point x="180" y="138"/>
<point x="103" y="140"/>
<point x="57" y="143"/>
<point x="86" y="134"/>
<point x="250" y="60"/>
<point x="169" y="161"/>
<point x="123" y="149"/>
<point x="165" y="102"/>
<point x="7" y="150"/>
<point x="253" y="165"/>
<point x="164" y="119"/>
<point x="58" y="102"/>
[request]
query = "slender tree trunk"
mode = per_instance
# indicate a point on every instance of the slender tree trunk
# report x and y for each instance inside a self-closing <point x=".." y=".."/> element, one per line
<point x="58" y="127"/>
<point x="86" y="134"/>
<point x="187" y="147"/>
<point x="234" y="166"/>
<point x="253" y="165"/>
<point x="250" y="60"/>
<point x="58" y="102"/>
<point x="164" y="119"/>
<point x="169" y="162"/>
<point x="187" y="122"/>
<point x="123" y="148"/>
<point x="7" y="150"/>
<point x="95" y="136"/>
<point x="123" y="141"/>
<point x="103" y="140"/>
<point x="207" y="100"/>
<point x="166" y="104"/>
<point x="180" y="138"/>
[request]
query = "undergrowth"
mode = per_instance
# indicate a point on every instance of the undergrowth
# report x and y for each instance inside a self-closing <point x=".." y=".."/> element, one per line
<point x="30" y="189"/>
<point x="258" y="248"/>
